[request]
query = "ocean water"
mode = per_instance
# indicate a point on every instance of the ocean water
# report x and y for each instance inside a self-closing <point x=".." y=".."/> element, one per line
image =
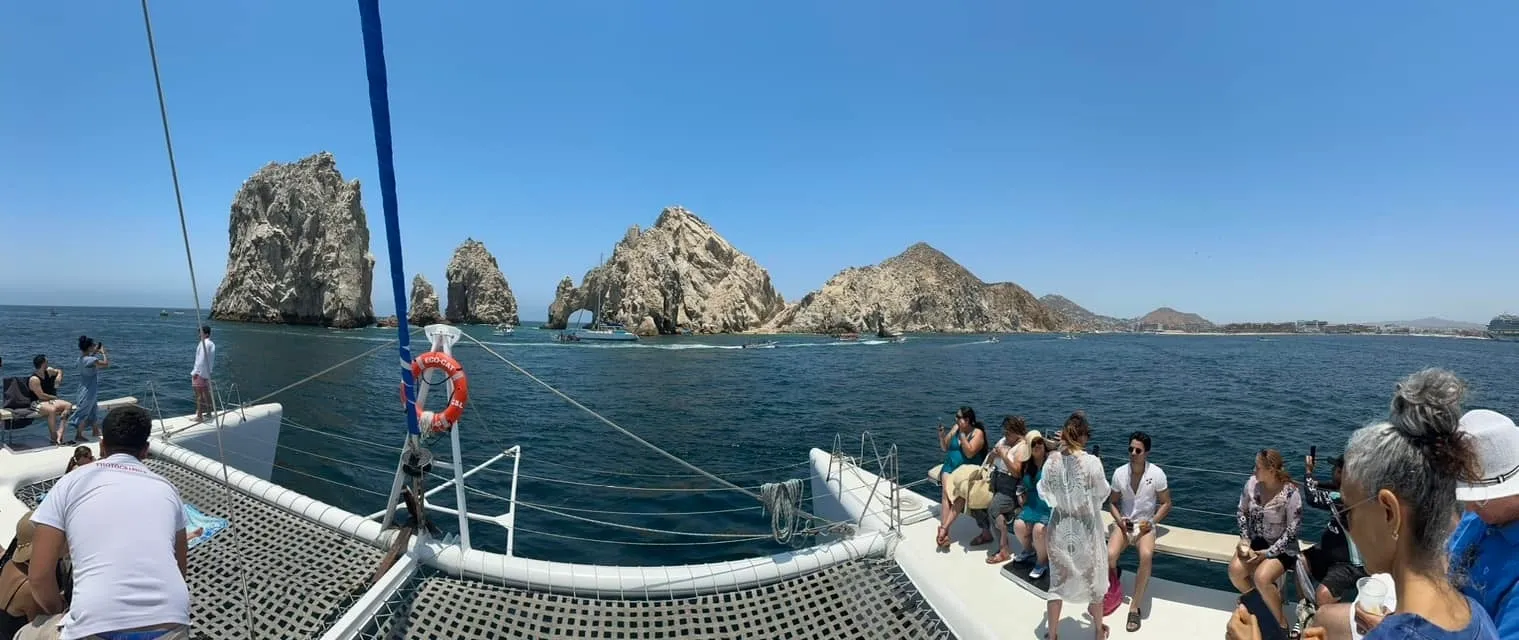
<point x="1209" y="403"/>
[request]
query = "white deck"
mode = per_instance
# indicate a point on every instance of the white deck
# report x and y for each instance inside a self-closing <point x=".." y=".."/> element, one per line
<point x="976" y="601"/>
<point x="249" y="445"/>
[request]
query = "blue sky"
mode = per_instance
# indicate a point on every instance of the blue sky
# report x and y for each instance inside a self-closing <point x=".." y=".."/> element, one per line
<point x="1243" y="160"/>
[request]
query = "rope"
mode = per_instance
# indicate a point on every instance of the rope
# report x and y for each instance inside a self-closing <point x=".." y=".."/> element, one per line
<point x="625" y="474"/>
<point x="641" y="544"/>
<point x="784" y="502"/>
<point x="730" y="487"/>
<point x="749" y="491"/>
<point x="323" y="372"/>
<point x="184" y="232"/>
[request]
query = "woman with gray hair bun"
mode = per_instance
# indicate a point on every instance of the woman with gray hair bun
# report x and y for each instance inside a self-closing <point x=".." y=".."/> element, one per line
<point x="1400" y="490"/>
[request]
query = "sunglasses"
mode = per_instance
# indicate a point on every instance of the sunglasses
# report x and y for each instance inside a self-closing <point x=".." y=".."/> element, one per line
<point x="1136" y="450"/>
<point x="1343" y="515"/>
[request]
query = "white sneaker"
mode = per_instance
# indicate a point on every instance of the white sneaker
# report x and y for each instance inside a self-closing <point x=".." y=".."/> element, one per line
<point x="1038" y="572"/>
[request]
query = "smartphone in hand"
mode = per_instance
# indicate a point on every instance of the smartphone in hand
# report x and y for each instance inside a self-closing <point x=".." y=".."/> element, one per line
<point x="1265" y="621"/>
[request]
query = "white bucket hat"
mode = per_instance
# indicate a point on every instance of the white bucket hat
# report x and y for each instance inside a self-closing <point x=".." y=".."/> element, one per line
<point x="1496" y="441"/>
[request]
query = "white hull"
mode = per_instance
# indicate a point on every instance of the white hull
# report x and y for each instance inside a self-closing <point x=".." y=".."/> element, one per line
<point x="973" y="598"/>
<point x="249" y="444"/>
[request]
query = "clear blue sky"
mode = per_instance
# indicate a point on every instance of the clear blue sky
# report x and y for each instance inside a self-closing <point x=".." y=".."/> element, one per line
<point x="1243" y="160"/>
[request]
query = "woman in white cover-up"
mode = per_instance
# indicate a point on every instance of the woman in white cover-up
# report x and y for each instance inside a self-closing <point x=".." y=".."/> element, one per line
<point x="1075" y="487"/>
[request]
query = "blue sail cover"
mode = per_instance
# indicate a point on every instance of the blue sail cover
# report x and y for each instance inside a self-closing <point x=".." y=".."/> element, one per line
<point x="379" y="110"/>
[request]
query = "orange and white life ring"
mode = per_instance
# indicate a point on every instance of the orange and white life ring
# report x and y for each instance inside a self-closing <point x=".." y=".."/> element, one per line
<point x="448" y="418"/>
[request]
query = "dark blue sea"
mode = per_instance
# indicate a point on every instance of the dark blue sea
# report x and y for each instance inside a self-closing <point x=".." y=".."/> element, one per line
<point x="1209" y="402"/>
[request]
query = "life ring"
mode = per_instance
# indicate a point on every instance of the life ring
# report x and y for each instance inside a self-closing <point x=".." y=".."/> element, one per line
<point x="448" y="418"/>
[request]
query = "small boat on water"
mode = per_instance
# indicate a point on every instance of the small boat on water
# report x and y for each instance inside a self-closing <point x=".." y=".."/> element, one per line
<point x="848" y="337"/>
<point x="897" y="339"/>
<point x="763" y="344"/>
<point x="994" y="339"/>
<point x="1067" y="337"/>
<point x="162" y="313"/>
<point x="503" y="330"/>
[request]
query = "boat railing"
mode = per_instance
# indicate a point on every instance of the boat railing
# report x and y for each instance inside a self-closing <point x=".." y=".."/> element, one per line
<point x="506" y="520"/>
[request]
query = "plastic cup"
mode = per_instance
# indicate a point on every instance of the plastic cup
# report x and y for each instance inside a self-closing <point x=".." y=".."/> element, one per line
<point x="1371" y="595"/>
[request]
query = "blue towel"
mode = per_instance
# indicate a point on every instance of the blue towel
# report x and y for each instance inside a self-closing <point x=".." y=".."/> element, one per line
<point x="207" y="525"/>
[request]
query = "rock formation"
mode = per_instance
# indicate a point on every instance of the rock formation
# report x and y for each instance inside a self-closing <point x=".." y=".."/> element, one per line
<point x="423" y="309"/>
<point x="1168" y="319"/>
<point x="677" y="275"/>
<point x="298" y="249"/>
<point x="477" y="290"/>
<point x="1074" y="317"/>
<point x="920" y="290"/>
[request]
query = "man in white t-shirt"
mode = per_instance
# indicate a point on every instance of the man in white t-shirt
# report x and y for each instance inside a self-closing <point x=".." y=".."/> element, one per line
<point x="124" y="527"/>
<point x="1141" y="499"/>
<point x="200" y="376"/>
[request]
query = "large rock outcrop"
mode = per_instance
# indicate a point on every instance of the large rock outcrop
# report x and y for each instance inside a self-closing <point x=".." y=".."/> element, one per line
<point x="920" y="290"/>
<point x="477" y="290"/>
<point x="1074" y="317"/>
<point x="677" y="275"/>
<point x="423" y="309"/>
<point x="298" y="249"/>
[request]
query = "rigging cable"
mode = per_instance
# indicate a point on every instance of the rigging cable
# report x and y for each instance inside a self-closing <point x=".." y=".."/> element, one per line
<point x="635" y="437"/>
<point x="184" y="231"/>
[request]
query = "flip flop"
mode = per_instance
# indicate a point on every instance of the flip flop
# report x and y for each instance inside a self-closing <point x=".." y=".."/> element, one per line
<point x="1133" y="622"/>
<point x="980" y="540"/>
<point x="998" y="558"/>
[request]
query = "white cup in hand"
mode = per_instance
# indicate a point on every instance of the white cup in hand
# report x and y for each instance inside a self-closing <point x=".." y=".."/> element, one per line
<point x="1371" y="596"/>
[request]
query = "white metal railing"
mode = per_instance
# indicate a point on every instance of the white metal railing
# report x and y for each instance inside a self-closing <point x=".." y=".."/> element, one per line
<point x="507" y="520"/>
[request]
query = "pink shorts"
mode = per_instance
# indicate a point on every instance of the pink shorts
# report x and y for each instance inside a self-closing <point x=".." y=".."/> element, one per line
<point x="199" y="382"/>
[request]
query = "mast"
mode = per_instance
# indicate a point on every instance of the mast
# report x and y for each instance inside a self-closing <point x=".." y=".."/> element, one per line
<point x="379" y="111"/>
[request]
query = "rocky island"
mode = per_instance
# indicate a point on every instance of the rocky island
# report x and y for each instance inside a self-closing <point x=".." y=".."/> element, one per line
<point x="477" y="290"/>
<point x="423" y="308"/>
<point x="920" y="290"/>
<point x="677" y="276"/>
<point x="298" y="249"/>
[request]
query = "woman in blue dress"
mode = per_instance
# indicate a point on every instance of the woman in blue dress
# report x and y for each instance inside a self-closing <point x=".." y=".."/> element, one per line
<point x="92" y="358"/>
<point x="1035" y="516"/>
<point x="963" y="445"/>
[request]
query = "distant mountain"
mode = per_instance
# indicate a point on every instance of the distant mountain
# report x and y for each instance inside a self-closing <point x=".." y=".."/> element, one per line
<point x="1168" y="319"/>
<point x="1434" y="323"/>
<point x="1074" y="317"/>
<point x="920" y="290"/>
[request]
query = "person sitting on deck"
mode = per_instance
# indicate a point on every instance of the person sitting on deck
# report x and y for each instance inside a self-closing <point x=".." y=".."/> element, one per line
<point x="82" y="456"/>
<point x="1270" y="514"/>
<point x="18" y="606"/>
<point x="1034" y="517"/>
<point x="1333" y="564"/>
<point x="965" y="444"/>
<point x="1486" y="542"/>
<point x="1141" y="499"/>
<point x="1006" y="460"/>
<point x="42" y="388"/>
<point x="124" y="525"/>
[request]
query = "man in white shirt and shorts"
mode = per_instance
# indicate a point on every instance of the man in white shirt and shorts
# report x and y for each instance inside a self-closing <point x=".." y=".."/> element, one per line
<point x="124" y="527"/>
<point x="1141" y="499"/>
<point x="200" y="376"/>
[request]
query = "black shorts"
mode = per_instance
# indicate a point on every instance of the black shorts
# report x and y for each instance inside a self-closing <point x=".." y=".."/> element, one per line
<point x="1335" y="574"/>
<point x="1288" y="558"/>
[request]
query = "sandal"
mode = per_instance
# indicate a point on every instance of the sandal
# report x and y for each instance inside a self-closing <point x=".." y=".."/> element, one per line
<point x="980" y="540"/>
<point x="1133" y="622"/>
<point x="999" y="558"/>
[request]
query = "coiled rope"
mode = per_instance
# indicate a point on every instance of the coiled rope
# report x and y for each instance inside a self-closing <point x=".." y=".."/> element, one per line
<point x="784" y="502"/>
